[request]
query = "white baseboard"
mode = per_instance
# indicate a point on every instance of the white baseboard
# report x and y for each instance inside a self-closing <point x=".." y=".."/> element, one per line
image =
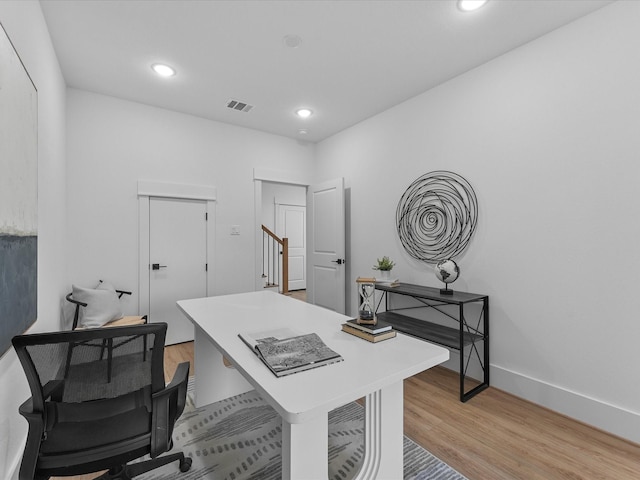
<point x="610" y="418"/>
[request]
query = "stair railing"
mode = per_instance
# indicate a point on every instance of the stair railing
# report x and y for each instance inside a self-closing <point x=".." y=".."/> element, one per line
<point x="275" y="260"/>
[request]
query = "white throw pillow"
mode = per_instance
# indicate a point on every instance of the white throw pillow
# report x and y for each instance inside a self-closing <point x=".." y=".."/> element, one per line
<point x="103" y="305"/>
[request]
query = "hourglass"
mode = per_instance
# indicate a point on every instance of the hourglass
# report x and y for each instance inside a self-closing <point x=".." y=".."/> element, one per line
<point x="366" y="301"/>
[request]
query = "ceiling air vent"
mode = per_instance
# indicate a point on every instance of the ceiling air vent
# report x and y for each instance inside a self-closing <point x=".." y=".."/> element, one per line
<point x="238" y="105"/>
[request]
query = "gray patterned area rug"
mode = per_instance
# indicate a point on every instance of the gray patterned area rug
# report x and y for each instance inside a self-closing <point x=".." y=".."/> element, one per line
<point x="239" y="438"/>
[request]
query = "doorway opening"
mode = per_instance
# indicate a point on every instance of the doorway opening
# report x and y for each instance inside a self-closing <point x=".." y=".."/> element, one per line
<point x="284" y="214"/>
<point x="325" y="243"/>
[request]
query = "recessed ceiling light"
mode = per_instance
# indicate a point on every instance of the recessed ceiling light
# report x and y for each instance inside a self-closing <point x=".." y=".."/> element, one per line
<point x="304" y="112"/>
<point x="292" y="41"/>
<point x="163" y="70"/>
<point x="470" y="5"/>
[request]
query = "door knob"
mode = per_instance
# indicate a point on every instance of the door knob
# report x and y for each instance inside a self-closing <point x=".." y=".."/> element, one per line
<point x="157" y="266"/>
<point x="339" y="261"/>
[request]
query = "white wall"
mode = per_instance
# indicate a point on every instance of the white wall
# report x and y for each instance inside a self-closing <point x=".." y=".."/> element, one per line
<point x="283" y="194"/>
<point x="548" y="137"/>
<point x="113" y="143"/>
<point x="25" y="26"/>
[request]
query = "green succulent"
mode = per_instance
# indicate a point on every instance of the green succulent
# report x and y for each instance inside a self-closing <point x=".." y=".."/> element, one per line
<point x="384" y="263"/>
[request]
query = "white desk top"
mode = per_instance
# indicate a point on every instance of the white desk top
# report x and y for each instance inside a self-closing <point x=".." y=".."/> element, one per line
<point x="367" y="367"/>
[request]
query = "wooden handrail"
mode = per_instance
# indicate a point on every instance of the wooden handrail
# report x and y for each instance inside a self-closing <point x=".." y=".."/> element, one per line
<point x="284" y="242"/>
<point x="272" y="235"/>
<point x="285" y="266"/>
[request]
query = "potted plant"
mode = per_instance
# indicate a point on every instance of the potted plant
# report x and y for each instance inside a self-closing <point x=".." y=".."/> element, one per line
<point x="385" y="265"/>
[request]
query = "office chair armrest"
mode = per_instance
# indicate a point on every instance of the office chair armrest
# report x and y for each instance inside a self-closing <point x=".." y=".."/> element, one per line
<point x="34" y="438"/>
<point x="26" y="408"/>
<point x="36" y="418"/>
<point x="168" y="405"/>
<point x="179" y="384"/>
<point x="53" y="389"/>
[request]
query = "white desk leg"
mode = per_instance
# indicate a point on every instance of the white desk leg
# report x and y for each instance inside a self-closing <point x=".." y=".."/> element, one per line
<point x="384" y="453"/>
<point x="305" y="449"/>
<point x="214" y="381"/>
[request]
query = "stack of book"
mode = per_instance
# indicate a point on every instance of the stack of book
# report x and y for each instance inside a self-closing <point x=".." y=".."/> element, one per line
<point x="372" y="333"/>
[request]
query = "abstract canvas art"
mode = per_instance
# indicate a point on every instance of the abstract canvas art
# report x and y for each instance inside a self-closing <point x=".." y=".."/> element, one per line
<point x="18" y="195"/>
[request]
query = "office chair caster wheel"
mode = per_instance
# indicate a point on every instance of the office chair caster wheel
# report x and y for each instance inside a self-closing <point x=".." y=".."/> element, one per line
<point x="186" y="464"/>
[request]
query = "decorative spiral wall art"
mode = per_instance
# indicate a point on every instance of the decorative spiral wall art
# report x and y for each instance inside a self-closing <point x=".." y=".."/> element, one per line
<point x="437" y="216"/>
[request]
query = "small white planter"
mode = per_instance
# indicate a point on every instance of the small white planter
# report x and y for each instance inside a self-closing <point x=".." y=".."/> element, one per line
<point x="385" y="275"/>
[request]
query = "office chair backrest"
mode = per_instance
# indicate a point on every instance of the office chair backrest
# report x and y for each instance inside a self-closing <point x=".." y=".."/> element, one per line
<point x="73" y="367"/>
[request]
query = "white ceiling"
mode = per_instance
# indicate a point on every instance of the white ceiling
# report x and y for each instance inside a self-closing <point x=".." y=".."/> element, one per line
<point x="356" y="58"/>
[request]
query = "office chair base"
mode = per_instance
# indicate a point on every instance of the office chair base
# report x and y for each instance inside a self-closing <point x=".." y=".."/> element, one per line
<point x="128" y="472"/>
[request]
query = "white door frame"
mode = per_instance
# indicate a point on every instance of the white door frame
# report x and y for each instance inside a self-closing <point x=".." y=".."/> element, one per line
<point x="150" y="188"/>
<point x="276" y="176"/>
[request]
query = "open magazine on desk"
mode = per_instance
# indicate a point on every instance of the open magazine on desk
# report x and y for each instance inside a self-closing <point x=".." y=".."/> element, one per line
<point x="286" y="351"/>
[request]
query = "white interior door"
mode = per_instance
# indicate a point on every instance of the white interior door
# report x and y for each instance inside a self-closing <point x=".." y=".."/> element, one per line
<point x="177" y="261"/>
<point x="291" y="224"/>
<point x="326" y="237"/>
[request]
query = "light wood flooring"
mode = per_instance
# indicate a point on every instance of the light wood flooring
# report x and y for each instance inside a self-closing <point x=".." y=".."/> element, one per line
<point x="494" y="436"/>
<point x="497" y="436"/>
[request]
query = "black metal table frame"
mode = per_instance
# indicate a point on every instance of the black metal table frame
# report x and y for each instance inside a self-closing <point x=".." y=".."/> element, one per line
<point x="431" y="298"/>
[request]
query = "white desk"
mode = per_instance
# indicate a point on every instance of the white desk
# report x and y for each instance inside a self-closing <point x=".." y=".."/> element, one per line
<point x="303" y="400"/>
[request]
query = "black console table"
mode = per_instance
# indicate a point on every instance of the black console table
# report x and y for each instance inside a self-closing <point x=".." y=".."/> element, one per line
<point x="466" y="336"/>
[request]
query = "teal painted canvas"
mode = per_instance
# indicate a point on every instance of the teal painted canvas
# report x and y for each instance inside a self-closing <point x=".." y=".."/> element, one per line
<point x="18" y="196"/>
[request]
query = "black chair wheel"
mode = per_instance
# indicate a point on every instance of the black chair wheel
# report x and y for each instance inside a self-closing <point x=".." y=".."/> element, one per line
<point x="186" y="464"/>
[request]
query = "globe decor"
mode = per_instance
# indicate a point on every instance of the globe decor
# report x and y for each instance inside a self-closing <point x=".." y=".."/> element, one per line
<point x="448" y="272"/>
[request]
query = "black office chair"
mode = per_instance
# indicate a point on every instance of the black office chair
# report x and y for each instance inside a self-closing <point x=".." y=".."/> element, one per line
<point x="81" y="422"/>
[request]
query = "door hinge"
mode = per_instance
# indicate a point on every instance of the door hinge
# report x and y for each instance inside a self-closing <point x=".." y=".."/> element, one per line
<point x="206" y="216"/>
<point x="206" y="267"/>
